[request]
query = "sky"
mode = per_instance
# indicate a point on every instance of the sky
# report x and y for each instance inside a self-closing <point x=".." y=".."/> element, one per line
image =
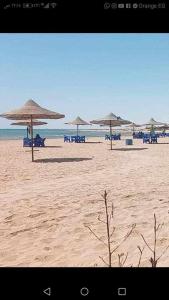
<point x="89" y="75"/>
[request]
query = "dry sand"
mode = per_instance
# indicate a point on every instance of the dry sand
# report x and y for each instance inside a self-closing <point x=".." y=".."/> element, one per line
<point x="45" y="205"/>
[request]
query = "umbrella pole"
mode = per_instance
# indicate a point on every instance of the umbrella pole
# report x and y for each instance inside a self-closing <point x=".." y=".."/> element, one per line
<point x="32" y="138"/>
<point x="77" y="130"/>
<point x="110" y="136"/>
<point x="27" y="131"/>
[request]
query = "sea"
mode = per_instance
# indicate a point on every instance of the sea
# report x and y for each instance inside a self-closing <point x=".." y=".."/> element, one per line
<point x="15" y="134"/>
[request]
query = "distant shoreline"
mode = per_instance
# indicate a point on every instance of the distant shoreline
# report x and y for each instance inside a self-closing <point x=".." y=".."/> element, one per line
<point x="64" y="129"/>
<point x="19" y="134"/>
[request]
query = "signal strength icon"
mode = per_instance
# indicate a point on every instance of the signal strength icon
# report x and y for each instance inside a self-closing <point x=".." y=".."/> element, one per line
<point x="47" y="5"/>
<point x="50" y="5"/>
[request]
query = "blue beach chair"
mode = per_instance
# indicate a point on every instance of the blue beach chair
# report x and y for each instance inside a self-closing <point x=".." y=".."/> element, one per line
<point x="67" y="139"/>
<point x="107" y="137"/>
<point x="82" y="139"/>
<point x="39" y="142"/>
<point x="139" y="135"/>
<point x="146" y="138"/>
<point x="153" y="139"/>
<point x="27" y="142"/>
<point x="74" y="139"/>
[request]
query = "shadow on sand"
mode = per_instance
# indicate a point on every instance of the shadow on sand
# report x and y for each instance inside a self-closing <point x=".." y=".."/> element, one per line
<point x="93" y="142"/>
<point x="128" y="149"/>
<point x="60" y="160"/>
<point x="33" y="150"/>
<point x="52" y="147"/>
<point x="159" y="143"/>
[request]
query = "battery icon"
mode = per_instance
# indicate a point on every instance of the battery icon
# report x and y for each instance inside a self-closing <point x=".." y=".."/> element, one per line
<point x="27" y="5"/>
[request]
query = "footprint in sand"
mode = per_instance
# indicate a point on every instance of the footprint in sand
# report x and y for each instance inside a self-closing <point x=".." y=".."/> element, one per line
<point x="9" y="218"/>
<point x="24" y="230"/>
<point x="35" y="215"/>
<point x="47" y="248"/>
<point x="93" y="201"/>
<point x="131" y="206"/>
<point x="90" y="215"/>
<point x="61" y="218"/>
<point x="6" y="222"/>
<point x="19" y="231"/>
<point x="128" y="196"/>
<point x="163" y="240"/>
<point x="43" y="257"/>
<point x="77" y="230"/>
<point x="144" y="223"/>
<point x="45" y="221"/>
<point x="47" y="241"/>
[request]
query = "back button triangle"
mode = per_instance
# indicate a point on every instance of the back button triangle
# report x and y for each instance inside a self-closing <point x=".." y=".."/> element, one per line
<point x="47" y="291"/>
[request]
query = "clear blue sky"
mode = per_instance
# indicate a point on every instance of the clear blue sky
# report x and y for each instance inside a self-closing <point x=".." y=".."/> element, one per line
<point x="86" y="74"/>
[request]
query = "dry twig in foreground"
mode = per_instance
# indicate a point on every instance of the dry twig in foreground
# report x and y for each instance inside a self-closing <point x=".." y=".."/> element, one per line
<point x="154" y="259"/>
<point x="109" y="233"/>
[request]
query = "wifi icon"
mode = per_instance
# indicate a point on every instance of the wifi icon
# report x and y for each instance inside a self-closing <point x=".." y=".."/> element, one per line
<point x="53" y="5"/>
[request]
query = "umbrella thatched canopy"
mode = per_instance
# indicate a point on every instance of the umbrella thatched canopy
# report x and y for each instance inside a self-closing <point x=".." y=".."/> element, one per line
<point x="111" y="120"/>
<point x="152" y="123"/>
<point x="133" y="126"/>
<point x="163" y="127"/>
<point x="78" y="121"/>
<point x="107" y="120"/>
<point x="31" y="110"/>
<point x="28" y="124"/>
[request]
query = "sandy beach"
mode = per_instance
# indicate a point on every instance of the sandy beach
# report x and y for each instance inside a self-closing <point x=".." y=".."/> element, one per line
<point x="45" y="205"/>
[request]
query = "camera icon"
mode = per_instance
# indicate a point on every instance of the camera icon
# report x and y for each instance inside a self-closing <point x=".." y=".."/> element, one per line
<point x="135" y="5"/>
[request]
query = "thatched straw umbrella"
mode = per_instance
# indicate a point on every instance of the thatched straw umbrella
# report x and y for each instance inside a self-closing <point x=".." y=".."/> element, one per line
<point x="133" y="126"/>
<point x="78" y="121"/>
<point x="151" y="124"/>
<point x="28" y="124"/>
<point x="31" y="110"/>
<point x="163" y="127"/>
<point x="111" y="120"/>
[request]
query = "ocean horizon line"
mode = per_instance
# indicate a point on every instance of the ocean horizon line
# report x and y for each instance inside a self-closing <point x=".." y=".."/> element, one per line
<point x="20" y="133"/>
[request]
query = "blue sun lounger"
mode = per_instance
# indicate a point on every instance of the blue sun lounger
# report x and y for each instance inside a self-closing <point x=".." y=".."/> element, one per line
<point x="67" y="138"/>
<point x="82" y="139"/>
<point x="146" y="138"/>
<point x="153" y="139"/>
<point x="78" y="139"/>
<point x="107" y="137"/>
<point x="74" y="139"/>
<point x="139" y="135"/>
<point x="27" y="142"/>
<point x="39" y="142"/>
<point x="114" y="137"/>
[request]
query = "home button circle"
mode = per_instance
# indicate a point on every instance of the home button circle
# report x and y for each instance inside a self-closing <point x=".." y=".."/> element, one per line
<point x="84" y="291"/>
